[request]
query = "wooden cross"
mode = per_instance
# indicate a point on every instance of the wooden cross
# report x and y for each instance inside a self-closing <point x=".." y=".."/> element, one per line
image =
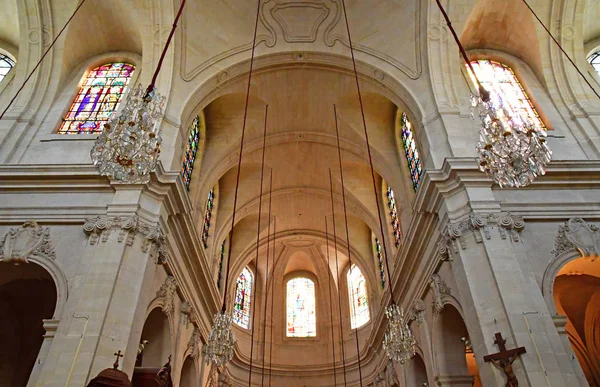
<point x="118" y="355"/>
<point x="504" y="359"/>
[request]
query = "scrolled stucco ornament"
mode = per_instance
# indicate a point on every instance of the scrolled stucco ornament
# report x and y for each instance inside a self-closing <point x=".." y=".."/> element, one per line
<point x="583" y="236"/>
<point x="439" y="289"/>
<point x="167" y="293"/>
<point x="29" y="239"/>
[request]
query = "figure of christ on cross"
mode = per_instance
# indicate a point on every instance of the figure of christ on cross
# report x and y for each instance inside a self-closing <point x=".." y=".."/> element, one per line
<point x="504" y="360"/>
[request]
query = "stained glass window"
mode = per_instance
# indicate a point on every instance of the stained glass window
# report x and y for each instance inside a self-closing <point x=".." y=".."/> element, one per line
<point x="594" y="60"/>
<point x="210" y="201"/>
<point x="502" y="84"/>
<point x="394" y="216"/>
<point x="98" y="99"/>
<point x="412" y="153"/>
<point x="379" y="252"/>
<point x="221" y="259"/>
<point x="6" y="64"/>
<point x="190" y="153"/>
<point x="359" y="302"/>
<point x="301" y="311"/>
<point x="243" y="298"/>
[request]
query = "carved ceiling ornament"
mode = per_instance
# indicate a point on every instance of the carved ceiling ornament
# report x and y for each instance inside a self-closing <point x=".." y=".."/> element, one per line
<point x="576" y="233"/>
<point x="153" y="239"/>
<point x="167" y="293"/>
<point x="438" y="289"/>
<point x="29" y="239"/>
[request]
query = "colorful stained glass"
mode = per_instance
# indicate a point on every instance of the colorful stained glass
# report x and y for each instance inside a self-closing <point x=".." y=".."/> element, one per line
<point x="6" y="64"/>
<point x="210" y="201"/>
<point x="98" y="99"/>
<point x="301" y="310"/>
<point x="190" y="153"/>
<point x="221" y="259"/>
<point x="243" y="299"/>
<point x="412" y="153"/>
<point x="594" y="60"/>
<point x="502" y="84"/>
<point x="380" y="262"/>
<point x="394" y="217"/>
<point x="359" y="302"/>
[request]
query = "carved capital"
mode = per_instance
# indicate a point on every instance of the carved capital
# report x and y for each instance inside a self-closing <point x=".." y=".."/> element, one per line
<point x="167" y="293"/>
<point x="439" y="289"/>
<point x="25" y="241"/>
<point x="577" y="234"/>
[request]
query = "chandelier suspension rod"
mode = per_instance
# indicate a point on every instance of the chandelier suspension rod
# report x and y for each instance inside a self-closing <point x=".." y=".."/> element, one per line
<point x="41" y="59"/>
<point x="262" y="382"/>
<point x="237" y="180"/>
<point x="337" y="134"/>
<point x="561" y="48"/>
<point x="253" y="302"/>
<point x="330" y="303"/>
<point x="364" y="122"/>
<point x="272" y="302"/>
<point x="337" y="275"/>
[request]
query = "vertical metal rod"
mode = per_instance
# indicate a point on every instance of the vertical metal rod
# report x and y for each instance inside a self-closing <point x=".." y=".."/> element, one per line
<point x="329" y="274"/>
<point x="262" y="380"/>
<point x="272" y="302"/>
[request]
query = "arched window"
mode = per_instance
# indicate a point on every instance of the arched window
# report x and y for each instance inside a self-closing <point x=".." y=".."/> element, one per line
<point x="210" y="201"/>
<point x="98" y="98"/>
<point x="243" y="299"/>
<point x="594" y="60"/>
<point x="413" y="157"/>
<point x="502" y="84"/>
<point x="380" y="263"/>
<point x="394" y="216"/>
<point x="190" y="153"/>
<point x="6" y="64"/>
<point x="301" y="310"/>
<point x="359" y="302"/>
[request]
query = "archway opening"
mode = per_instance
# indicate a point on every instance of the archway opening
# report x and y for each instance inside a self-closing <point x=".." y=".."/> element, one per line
<point x="27" y="297"/>
<point x="188" y="374"/>
<point x="416" y="374"/>
<point x="577" y="296"/>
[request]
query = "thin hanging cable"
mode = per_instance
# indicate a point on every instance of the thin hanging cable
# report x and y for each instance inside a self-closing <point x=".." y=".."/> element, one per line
<point x="41" y="59"/>
<point x="337" y="275"/>
<point x="237" y="180"/>
<point x="253" y="304"/>
<point x="561" y="49"/>
<point x="272" y="303"/>
<point x="262" y="380"/>
<point x="329" y="274"/>
<point x="337" y="133"/>
<point x="364" y="122"/>
<point x="485" y="95"/>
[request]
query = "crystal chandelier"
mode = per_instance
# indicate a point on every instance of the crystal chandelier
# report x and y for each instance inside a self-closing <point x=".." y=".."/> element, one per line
<point x="218" y="349"/>
<point x="513" y="151"/>
<point x="398" y="342"/>
<point x="127" y="149"/>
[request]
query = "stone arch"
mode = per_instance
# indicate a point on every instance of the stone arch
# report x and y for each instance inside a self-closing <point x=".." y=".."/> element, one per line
<point x="189" y="376"/>
<point x="416" y="372"/>
<point x="157" y="331"/>
<point x="551" y="273"/>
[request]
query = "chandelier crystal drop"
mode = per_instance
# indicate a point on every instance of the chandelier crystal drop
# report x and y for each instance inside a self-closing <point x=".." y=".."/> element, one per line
<point x="398" y="342"/>
<point x="127" y="149"/>
<point x="512" y="150"/>
<point x="218" y="349"/>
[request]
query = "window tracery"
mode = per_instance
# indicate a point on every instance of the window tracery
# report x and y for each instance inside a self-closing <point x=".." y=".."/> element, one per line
<point x="243" y="299"/>
<point x="190" y="152"/>
<point x="98" y="98"/>
<point x="210" y="201"/>
<point x="301" y="308"/>
<point x="379" y="252"/>
<point x="359" y="302"/>
<point x="412" y="152"/>
<point x="6" y="64"/>
<point x="394" y="216"/>
<point x="502" y="83"/>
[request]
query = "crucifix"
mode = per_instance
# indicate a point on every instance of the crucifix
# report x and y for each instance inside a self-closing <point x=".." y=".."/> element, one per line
<point x="118" y="355"/>
<point x="504" y="360"/>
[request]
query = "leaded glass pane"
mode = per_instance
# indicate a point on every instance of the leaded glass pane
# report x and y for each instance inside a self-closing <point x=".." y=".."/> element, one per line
<point x="412" y="153"/>
<point x="359" y="302"/>
<point x="379" y="252"/>
<point x="243" y="298"/>
<point x="301" y="311"/>
<point x="98" y="99"/>
<point x="6" y="64"/>
<point x="190" y="153"/>
<point x="502" y="84"/>
<point x="210" y="201"/>
<point x="394" y="216"/>
<point x="594" y="60"/>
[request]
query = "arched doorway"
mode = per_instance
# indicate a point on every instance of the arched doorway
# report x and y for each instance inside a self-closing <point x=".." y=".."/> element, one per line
<point x="27" y="297"/>
<point x="188" y="374"/>
<point x="452" y="350"/>
<point x="416" y="373"/>
<point x="156" y="339"/>
<point x="577" y="296"/>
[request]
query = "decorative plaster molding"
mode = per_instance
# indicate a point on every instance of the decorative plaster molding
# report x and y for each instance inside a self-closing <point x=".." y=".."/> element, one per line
<point x="387" y="377"/>
<point x="439" y="289"/>
<point x="417" y="312"/>
<point x="154" y="241"/>
<point x="193" y="344"/>
<point x="187" y="310"/>
<point x="25" y="241"/>
<point x="167" y="293"/>
<point x="577" y="234"/>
